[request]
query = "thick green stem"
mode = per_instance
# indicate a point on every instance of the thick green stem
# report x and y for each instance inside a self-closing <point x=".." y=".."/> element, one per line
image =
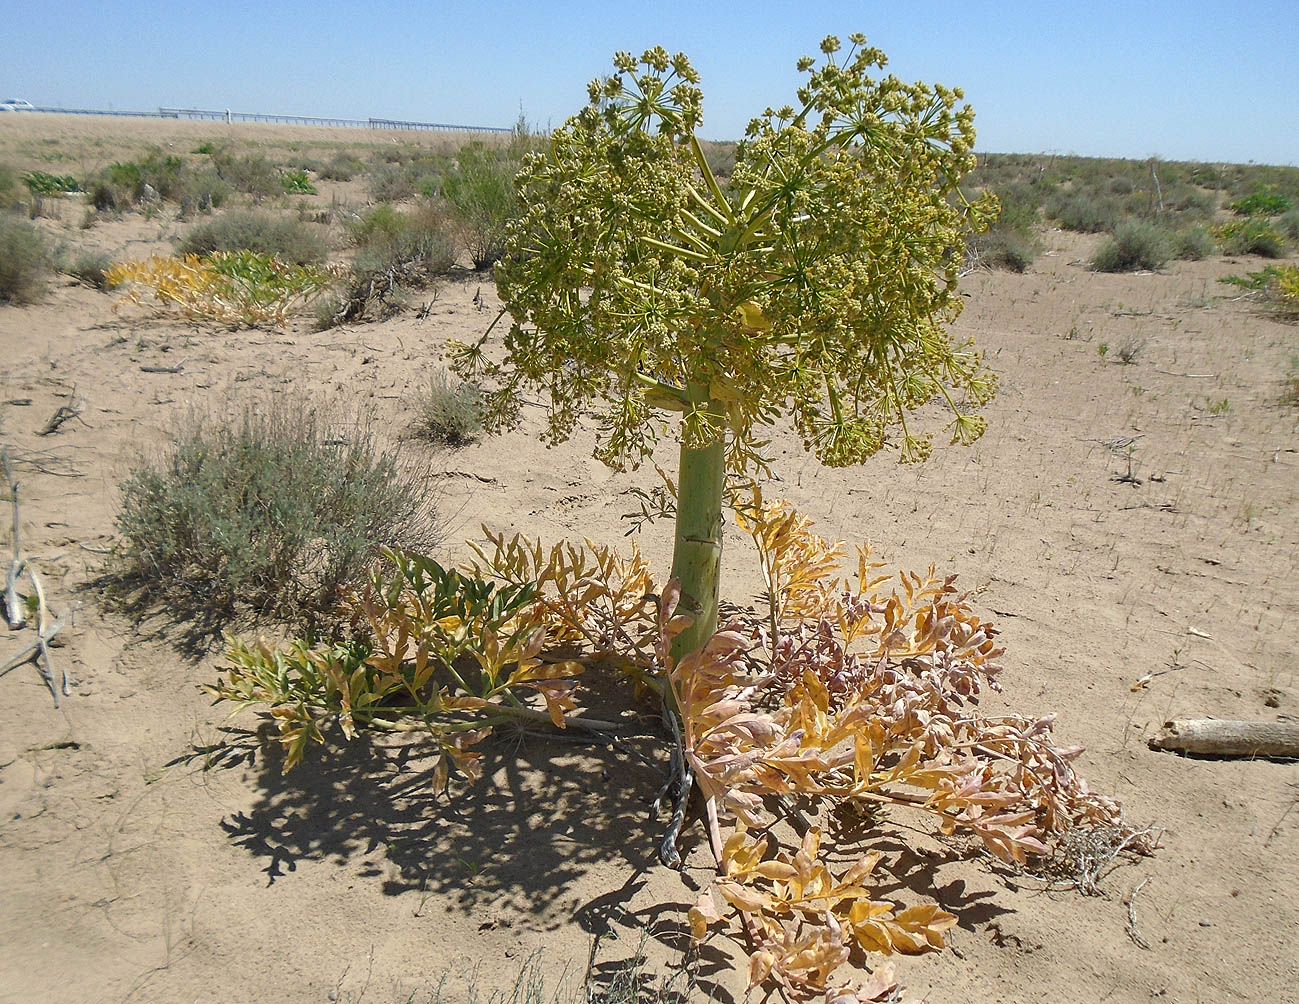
<point x="697" y="553"/>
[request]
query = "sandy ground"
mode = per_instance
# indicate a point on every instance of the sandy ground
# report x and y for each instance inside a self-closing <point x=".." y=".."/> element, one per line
<point x="132" y="873"/>
<point x="81" y="144"/>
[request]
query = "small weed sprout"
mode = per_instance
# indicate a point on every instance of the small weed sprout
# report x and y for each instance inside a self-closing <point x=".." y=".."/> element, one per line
<point x="1103" y="348"/>
<point x="1290" y="383"/>
<point x="1130" y="349"/>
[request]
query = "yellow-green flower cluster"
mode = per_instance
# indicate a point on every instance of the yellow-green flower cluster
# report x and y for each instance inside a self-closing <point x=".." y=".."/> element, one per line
<point x="817" y="283"/>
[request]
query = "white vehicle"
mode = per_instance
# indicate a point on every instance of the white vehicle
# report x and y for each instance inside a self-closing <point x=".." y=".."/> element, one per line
<point x="15" y="105"/>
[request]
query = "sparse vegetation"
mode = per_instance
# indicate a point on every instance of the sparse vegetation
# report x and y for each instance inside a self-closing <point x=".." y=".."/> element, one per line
<point x="272" y="515"/>
<point x="1254" y="235"/>
<point x="91" y="267"/>
<point x="1134" y="245"/>
<point x="24" y="260"/>
<point x="124" y="184"/>
<point x="1290" y="383"/>
<point x="241" y="288"/>
<point x="341" y="167"/>
<point x="41" y="183"/>
<point x="1262" y="202"/>
<point x="482" y="200"/>
<point x="397" y="252"/>
<point x="1089" y="214"/>
<point x="450" y="411"/>
<point x="1276" y="287"/>
<point x="286" y="239"/>
<point x="1129" y="351"/>
<point x="1195" y="243"/>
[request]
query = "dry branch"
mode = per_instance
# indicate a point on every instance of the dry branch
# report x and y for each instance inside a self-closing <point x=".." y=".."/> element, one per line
<point x="15" y="615"/>
<point x="1213" y="737"/>
<point x="72" y="409"/>
<point x="15" y="612"/>
<point x="178" y="368"/>
<point x="45" y="630"/>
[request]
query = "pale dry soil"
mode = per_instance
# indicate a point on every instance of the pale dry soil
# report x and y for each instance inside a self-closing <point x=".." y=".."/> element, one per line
<point x="138" y="868"/>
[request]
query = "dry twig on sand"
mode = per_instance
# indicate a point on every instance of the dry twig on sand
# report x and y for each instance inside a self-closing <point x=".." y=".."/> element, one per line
<point x="15" y="615"/>
<point x="72" y="409"/>
<point x="1133" y="933"/>
<point x="15" y="612"/>
<point x="1087" y="854"/>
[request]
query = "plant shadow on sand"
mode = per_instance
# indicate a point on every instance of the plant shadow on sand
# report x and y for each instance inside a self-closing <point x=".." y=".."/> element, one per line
<point x="519" y="843"/>
<point x="525" y="839"/>
<point x="522" y="842"/>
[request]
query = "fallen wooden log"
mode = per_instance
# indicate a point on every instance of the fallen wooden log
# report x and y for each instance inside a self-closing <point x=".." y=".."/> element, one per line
<point x="1215" y="737"/>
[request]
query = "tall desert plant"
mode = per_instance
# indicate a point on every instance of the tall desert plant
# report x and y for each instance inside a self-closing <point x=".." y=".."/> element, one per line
<point x="817" y="286"/>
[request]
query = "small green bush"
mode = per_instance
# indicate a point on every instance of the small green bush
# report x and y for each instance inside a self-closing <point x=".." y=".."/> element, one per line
<point x="1193" y="244"/>
<point x="91" y="268"/>
<point x="391" y="183"/>
<point x="297" y="183"/>
<point x="379" y="223"/>
<point x="482" y="200"/>
<point x="1261" y="202"/>
<point x="450" y="411"/>
<point x="1134" y="245"/>
<point x="1189" y="202"/>
<point x="1254" y="235"/>
<point x="24" y="261"/>
<point x="286" y="239"/>
<point x="270" y="515"/>
<point x="41" y="183"/>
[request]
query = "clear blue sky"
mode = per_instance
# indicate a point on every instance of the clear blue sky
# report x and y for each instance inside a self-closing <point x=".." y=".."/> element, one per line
<point x="1186" y="81"/>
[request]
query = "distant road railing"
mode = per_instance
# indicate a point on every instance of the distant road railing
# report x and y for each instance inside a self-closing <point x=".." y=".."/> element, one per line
<point x="208" y="115"/>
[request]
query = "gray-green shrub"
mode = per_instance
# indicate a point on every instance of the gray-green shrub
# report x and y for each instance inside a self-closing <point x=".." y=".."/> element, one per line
<point x="1134" y="245"/>
<point x="271" y="514"/>
<point x="1083" y="212"/>
<point x="24" y="260"/>
<point x="90" y="267"/>
<point x="289" y="240"/>
<point x="1193" y="244"/>
<point x="341" y="167"/>
<point x="450" y="412"/>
